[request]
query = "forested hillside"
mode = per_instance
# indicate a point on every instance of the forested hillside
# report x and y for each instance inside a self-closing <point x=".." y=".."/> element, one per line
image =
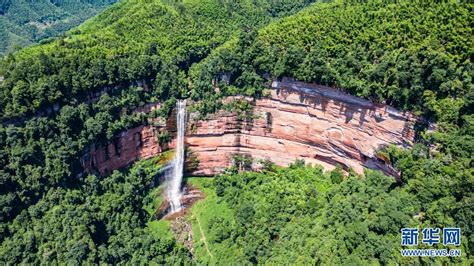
<point x="59" y="98"/>
<point x="400" y="54"/>
<point x="108" y="220"/>
<point x="299" y="215"/>
<point x="415" y="56"/>
<point x="25" y="22"/>
<point x="68" y="94"/>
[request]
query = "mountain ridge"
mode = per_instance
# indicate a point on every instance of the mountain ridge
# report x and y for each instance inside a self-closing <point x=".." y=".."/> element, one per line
<point x="28" y="22"/>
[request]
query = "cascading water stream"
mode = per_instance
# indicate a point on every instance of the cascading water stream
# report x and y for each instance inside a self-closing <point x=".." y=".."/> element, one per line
<point x="174" y="182"/>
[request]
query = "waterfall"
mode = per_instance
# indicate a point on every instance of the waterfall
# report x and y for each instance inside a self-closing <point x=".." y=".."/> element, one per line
<point x="174" y="182"/>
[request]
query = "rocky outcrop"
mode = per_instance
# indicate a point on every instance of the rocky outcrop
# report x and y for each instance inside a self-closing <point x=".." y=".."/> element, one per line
<point x="302" y="121"/>
<point x="137" y="143"/>
<point x="129" y="146"/>
<point x="296" y="121"/>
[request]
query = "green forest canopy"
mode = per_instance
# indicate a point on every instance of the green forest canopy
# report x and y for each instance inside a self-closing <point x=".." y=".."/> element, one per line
<point x="25" y="22"/>
<point x="55" y="116"/>
<point x="300" y="215"/>
<point x="415" y="56"/>
<point x="104" y="220"/>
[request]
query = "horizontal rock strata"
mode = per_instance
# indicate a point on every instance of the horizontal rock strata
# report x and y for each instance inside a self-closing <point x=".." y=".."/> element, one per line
<point x="296" y="121"/>
<point x="302" y="121"/>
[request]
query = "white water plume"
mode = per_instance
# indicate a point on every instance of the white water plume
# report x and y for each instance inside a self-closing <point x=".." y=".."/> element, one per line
<point x="174" y="181"/>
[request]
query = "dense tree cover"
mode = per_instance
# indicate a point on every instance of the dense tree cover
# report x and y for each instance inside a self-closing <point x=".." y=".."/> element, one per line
<point x="45" y="152"/>
<point x="25" y="22"/>
<point x="132" y="40"/>
<point x="304" y="216"/>
<point x="60" y="98"/>
<point x="409" y="55"/>
<point x="102" y="221"/>
<point x="415" y="56"/>
<point x="439" y="172"/>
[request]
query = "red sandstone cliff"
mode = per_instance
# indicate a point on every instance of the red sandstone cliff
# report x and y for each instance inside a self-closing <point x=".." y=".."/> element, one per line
<point x="297" y="121"/>
<point x="128" y="147"/>
<point x="301" y="121"/>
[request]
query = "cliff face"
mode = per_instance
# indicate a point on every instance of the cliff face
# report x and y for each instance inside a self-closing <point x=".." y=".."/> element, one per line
<point x="129" y="146"/>
<point x="137" y="143"/>
<point x="297" y="121"/>
<point x="301" y="121"/>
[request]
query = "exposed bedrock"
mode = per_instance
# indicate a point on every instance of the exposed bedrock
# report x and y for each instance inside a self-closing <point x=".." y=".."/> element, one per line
<point x="297" y="121"/>
<point x="301" y="121"/>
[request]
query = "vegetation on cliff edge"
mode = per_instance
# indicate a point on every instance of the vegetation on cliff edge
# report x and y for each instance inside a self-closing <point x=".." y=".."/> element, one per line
<point x="59" y="98"/>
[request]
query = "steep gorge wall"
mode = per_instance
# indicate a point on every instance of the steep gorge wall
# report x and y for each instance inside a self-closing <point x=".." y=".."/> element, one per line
<point x="302" y="121"/>
<point x="130" y="146"/>
<point x="297" y="121"/>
